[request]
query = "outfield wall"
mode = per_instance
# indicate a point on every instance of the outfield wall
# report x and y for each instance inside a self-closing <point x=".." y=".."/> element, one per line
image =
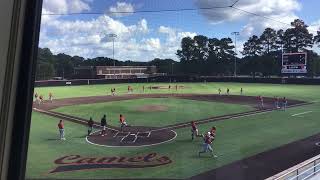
<point x="307" y="81"/>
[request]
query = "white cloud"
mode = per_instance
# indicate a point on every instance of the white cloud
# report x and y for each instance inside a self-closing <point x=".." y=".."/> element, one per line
<point x="174" y="35"/>
<point x="280" y="10"/>
<point x="314" y="27"/>
<point x="152" y="44"/>
<point x="121" y="9"/>
<point x="65" y="6"/>
<point x="87" y="38"/>
<point x="55" y="6"/>
<point x="76" y="6"/>
<point x="261" y="7"/>
<point x="255" y="25"/>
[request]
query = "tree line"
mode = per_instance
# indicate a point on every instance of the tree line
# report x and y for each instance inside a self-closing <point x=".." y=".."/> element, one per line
<point x="63" y="65"/>
<point x="261" y="54"/>
<point x="202" y="55"/>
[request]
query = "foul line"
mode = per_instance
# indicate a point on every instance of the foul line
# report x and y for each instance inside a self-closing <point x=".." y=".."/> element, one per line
<point x="301" y="113"/>
<point x="217" y="119"/>
<point x="235" y="116"/>
<point x="68" y="117"/>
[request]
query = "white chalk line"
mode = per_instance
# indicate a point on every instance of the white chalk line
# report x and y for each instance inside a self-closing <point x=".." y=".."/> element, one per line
<point x="235" y="116"/>
<point x="67" y="117"/>
<point x="146" y="145"/>
<point x="301" y="113"/>
<point x="205" y="121"/>
<point x="217" y="119"/>
<point x="128" y="134"/>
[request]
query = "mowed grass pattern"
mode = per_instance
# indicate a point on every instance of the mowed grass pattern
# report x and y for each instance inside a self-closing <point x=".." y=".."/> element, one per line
<point x="236" y="138"/>
<point x="178" y="111"/>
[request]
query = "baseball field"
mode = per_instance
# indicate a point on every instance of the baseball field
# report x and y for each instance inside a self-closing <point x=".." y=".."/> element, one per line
<point x="158" y="144"/>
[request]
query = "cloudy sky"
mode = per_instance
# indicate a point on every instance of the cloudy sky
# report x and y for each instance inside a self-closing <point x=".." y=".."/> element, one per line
<point x="68" y="27"/>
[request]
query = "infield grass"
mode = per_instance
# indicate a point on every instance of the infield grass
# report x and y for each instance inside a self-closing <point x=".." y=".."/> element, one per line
<point x="178" y="111"/>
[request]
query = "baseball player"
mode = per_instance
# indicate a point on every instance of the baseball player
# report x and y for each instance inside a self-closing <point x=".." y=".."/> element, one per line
<point x="260" y="99"/>
<point x="104" y="125"/>
<point x="90" y="126"/>
<point x="50" y="97"/>
<point x="241" y="91"/>
<point x="123" y="122"/>
<point x="208" y="139"/>
<point x="61" y="130"/>
<point x="176" y="87"/>
<point x="213" y="132"/>
<point x="228" y="91"/>
<point x="194" y="130"/>
<point x="113" y="91"/>
<point x="284" y="103"/>
<point x="142" y="88"/>
<point x="40" y="99"/>
<point x="276" y="102"/>
<point x="129" y="89"/>
<point x="36" y="96"/>
<point x="219" y="91"/>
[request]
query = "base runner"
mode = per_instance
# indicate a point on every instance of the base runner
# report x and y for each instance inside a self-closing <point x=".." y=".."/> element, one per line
<point x="208" y="139"/>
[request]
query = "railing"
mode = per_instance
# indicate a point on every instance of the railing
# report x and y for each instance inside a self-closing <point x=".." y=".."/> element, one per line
<point x="301" y="171"/>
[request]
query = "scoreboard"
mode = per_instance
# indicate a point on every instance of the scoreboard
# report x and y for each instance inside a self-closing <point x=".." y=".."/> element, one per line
<point x="294" y="63"/>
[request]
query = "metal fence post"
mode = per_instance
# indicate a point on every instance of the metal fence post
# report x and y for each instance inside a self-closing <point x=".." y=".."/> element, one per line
<point x="314" y="167"/>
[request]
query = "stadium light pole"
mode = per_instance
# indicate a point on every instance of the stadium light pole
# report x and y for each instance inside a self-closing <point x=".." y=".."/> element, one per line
<point x="113" y="37"/>
<point x="235" y="51"/>
<point x="172" y="68"/>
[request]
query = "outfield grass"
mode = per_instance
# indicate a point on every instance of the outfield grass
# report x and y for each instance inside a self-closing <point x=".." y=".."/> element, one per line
<point x="179" y="110"/>
<point x="236" y="138"/>
<point x="301" y="92"/>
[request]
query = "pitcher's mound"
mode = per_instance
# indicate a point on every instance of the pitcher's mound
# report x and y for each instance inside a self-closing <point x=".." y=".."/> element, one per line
<point x="152" y="108"/>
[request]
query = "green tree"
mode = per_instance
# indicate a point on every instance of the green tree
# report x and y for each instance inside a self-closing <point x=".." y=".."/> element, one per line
<point x="297" y="38"/>
<point x="317" y="38"/>
<point x="187" y="49"/>
<point x="44" y="71"/>
<point x="268" y="40"/>
<point x="200" y="48"/>
<point x="252" y="47"/>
